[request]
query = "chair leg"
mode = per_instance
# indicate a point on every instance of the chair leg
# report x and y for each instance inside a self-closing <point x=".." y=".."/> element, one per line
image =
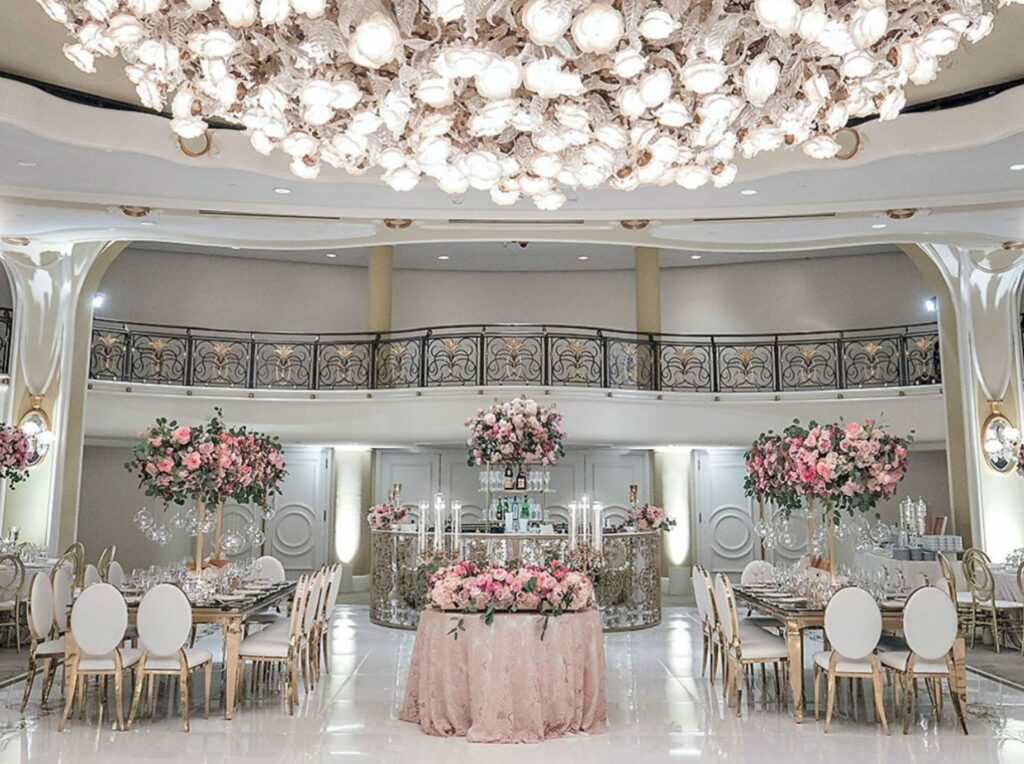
<point x="29" y="678"/>
<point x="69" y="701"/>
<point x="958" y="708"/>
<point x="713" y="670"/>
<point x="140" y="680"/>
<point x="208" y="680"/>
<point x="908" y="701"/>
<point x="830" y="697"/>
<point x="995" y="630"/>
<point x="816" y="678"/>
<point x="119" y="699"/>
<point x="49" y="672"/>
<point x="739" y="676"/>
<point x="183" y="692"/>
<point x="876" y="680"/>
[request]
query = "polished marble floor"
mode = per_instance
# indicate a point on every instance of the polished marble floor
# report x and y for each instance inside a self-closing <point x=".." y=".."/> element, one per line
<point x="659" y="710"/>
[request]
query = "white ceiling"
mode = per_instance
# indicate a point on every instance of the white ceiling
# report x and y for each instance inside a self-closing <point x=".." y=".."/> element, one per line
<point x="505" y="255"/>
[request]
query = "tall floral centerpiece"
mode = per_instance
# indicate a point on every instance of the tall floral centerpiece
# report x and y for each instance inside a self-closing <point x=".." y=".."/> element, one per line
<point x="207" y="464"/>
<point x="846" y="467"/>
<point x="14" y="454"/>
<point x="518" y="431"/>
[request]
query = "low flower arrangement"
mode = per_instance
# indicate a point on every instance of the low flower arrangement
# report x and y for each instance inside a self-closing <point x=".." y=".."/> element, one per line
<point x="14" y="454"/>
<point x="518" y="431"/>
<point x="650" y="518"/>
<point x="382" y="517"/>
<point x="549" y="590"/>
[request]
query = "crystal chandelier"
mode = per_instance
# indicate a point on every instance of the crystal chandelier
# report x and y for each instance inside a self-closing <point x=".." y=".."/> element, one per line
<point x="525" y="97"/>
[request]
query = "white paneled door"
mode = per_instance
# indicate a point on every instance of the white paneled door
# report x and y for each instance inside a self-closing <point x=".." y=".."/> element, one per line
<point x="417" y="471"/>
<point x="725" y="524"/>
<point x="297" y="534"/>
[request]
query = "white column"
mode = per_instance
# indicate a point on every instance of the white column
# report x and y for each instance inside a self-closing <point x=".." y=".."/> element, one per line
<point x="985" y="292"/>
<point x="52" y="287"/>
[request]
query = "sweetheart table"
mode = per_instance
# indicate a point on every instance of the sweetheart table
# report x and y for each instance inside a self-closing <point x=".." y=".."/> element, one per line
<point x="502" y="683"/>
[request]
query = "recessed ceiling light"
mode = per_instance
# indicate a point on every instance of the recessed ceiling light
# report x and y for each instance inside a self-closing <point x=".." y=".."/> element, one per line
<point x="147" y="222"/>
<point x="282" y="190"/>
<point x="26" y="163"/>
<point x="1016" y="167"/>
<point x="583" y="257"/>
<point x="443" y="257"/>
<point x="696" y="257"/>
<point x="749" y="191"/>
<point x="331" y="255"/>
<point x="878" y="225"/>
<point x="236" y="248"/>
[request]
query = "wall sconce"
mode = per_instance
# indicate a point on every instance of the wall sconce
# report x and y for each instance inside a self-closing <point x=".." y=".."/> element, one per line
<point x="1000" y="439"/>
<point x="36" y="426"/>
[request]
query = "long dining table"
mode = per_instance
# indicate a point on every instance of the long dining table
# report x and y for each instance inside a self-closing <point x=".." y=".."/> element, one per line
<point x="795" y="619"/>
<point x="228" y="613"/>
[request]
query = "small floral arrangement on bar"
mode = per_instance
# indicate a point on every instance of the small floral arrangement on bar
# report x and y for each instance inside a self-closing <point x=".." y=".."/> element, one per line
<point x="14" y="454"/>
<point x="382" y="517"/>
<point x="520" y="430"/>
<point x="549" y="590"/>
<point x="650" y="517"/>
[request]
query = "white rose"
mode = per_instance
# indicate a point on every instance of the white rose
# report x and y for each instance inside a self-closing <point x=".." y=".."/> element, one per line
<point x="598" y="28"/>
<point x="546" y="21"/>
<point x="629" y="63"/>
<point x="658" y="24"/>
<point x="374" y="42"/>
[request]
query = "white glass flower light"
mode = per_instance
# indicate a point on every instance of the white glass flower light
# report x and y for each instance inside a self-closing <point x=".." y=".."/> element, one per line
<point x="524" y="98"/>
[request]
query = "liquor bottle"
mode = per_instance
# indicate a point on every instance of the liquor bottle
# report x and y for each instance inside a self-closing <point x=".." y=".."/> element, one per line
<point x="524" y="514"/>
<point x="515" y="507"/>
<point x="497" y="512"/>
<point x="509" y="479"/>
<point x="528" y="508"/>
<point x="521" y="480"/>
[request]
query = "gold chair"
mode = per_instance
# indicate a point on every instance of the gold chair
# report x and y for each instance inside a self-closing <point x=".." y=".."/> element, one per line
<point x="106" y="557"/>
<point x="964" y="601"/>
<point x="988" y="612"/>
<point x="12" y="579"/>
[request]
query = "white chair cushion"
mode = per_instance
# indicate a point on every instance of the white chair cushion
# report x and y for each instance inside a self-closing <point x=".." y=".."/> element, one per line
<point x="194" y="657"/>
<point x="263" y="648"/>
<point x="750" y="631"/>
<point x="279" y="630"/>
<point x="843" y="665"/>
<point x="129" y="657"/>
<point x="51" y="647"/>
<point x="964" y="598"/>
<point x="766" y="648"/>
<point x="7" y="605"/>
<point x="897" y="659"/>
<point x="761" y="621"/>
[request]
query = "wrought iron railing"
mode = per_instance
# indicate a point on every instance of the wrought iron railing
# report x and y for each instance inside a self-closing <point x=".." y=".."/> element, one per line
<point x="515" y="354"/>
<point x="6" y="323"/>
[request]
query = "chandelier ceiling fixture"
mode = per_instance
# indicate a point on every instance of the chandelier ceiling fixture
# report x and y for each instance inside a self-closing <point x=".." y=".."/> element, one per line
<point x="525" y="97"/>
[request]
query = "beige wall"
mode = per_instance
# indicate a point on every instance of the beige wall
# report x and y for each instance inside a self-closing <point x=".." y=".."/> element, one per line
<point x="234" y="293"/>
<point x="927" y="478"/>
<point x="110" y="497"/>
<point x="587" y="298"/>
<point x="793" y="295"/>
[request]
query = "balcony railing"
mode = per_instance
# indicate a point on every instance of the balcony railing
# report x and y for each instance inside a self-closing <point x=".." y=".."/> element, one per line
<point x="515" y="354"/>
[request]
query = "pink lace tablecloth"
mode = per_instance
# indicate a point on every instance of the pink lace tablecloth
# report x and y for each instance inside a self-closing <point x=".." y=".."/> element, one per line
<point x="502" y="683"/>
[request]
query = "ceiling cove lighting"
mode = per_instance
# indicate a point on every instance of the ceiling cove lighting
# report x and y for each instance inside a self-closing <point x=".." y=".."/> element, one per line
<point x="525" y="98"/>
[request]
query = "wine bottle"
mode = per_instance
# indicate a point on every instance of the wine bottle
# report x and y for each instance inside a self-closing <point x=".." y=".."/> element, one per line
<point x="509" y="479"/>
<point x="521" y="480"/>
